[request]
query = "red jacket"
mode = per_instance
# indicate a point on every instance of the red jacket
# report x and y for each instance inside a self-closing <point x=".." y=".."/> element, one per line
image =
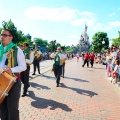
<point x="92" y="57"/>
<point x="86" y="57"/>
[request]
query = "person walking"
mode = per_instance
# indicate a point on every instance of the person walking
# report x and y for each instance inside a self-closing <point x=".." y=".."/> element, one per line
<point x="77" y="55"/>
<point x="36" y="62"/>
<point x="86" y="59"/>
<point x="25" y="74"/>
<point x="82" y="55"/>
<point x="11" y="53"/>
<point x="92" y="57"/>
<point x="58" y="57"/>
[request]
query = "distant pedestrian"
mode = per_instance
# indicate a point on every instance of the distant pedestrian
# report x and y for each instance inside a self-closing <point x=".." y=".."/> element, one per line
<point x="82" y="55"/>
<point x="92" y="57"/>
<point x="86" y="59"/>
<point x="77" y="55"/>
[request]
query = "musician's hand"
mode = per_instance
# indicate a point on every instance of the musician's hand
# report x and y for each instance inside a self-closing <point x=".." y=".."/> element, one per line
<point x="8" y="70"/>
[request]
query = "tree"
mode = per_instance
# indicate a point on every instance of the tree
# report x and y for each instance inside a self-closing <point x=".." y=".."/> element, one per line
<point x="28" y="36"/>
<point x="52" y="46"/>
<point x="97" y="40"/>
<point x="40" y="41"/>
<point x="18" y="37"/>
<point x="116" y="41"/>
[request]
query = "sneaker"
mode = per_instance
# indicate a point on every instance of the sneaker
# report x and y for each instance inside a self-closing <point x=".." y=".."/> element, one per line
<point x="57" y="86"/>
<point x="33" y="74"/>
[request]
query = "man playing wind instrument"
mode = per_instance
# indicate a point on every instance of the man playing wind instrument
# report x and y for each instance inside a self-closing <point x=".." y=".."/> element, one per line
<point x="36" y="62"/>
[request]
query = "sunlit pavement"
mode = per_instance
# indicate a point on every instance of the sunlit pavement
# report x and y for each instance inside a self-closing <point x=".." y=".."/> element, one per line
<point x="84" y="94"/>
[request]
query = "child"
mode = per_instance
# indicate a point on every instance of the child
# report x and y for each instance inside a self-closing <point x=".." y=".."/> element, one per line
<point x="115" y="72"/>
<point x="77" y="55"/>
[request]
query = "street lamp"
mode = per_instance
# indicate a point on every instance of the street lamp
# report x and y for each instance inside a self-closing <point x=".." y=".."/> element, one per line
<point x="103" y="42"/>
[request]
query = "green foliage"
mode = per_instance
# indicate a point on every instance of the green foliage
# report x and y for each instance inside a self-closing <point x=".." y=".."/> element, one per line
<point x="71" y="49"/>
<point x="97" y="40"/>
<point x="18" y="37"/>
<point x="116" y="41"/>
<point x="40" y="41"/>
<point x="52" y="46"/>
<point x="0" y="30"/>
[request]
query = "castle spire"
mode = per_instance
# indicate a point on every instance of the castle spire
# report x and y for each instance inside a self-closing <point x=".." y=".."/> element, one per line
<point x="85" y="27"/>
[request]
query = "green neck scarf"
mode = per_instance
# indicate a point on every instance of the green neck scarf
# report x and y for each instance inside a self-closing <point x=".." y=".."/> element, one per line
<point x="3" y="51"/>
<point x="58" y="59"/>
<point x="26" y="51"/>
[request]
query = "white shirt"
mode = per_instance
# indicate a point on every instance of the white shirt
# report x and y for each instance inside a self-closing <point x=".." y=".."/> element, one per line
<point x="62" y="56"/>
<point x="77" y="55"/>
<point x="52" y="55"/>
<point x="20" y="59"/>
<point x="116" y="68"/>
<point x="39" y="52"/>
<point x="30" y="61"/>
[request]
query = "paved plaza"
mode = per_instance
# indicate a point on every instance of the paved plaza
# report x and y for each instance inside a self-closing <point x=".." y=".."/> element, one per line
<point x="84" y="94"/>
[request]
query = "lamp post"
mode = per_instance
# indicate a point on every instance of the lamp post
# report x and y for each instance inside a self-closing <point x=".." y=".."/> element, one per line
<point x="103" y="42"/>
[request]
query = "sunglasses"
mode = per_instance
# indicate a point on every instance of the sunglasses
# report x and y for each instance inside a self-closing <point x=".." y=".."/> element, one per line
<point x="4" y="35"/>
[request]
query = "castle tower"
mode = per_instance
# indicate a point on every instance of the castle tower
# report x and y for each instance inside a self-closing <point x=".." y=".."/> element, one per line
<point x="84" y="43"/>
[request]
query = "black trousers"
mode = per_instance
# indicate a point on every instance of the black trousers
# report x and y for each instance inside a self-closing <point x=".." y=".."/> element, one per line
<point x="57" y="73"/>
<point x="36" y="63"/>
<point x="63" y="69"/>
<point x="10" y="105"/>
<point x="86" y="61"/>
<point x="91" y="62"/>
<point x="25" y="79"/>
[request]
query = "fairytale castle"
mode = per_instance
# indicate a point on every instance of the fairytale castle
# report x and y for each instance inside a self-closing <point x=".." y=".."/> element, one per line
<point x="84" y="43"/>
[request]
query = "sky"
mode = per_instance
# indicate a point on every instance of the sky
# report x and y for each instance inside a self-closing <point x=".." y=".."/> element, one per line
<point x="62" y="20"/>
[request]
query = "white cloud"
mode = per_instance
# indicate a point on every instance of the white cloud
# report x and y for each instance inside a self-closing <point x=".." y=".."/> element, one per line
<point x="111" y="14"/>
<point x="82" y="21"/>
<point x="101" y="27"/>
<point x="51" y="14"/>
<point x="87" y="14"/>
<point x="85" y="17"/>
<point x="106" y="27"/>
<point x="114" y="24"/>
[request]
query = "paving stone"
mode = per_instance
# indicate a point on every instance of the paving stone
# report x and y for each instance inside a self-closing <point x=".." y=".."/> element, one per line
<point x="84" y="94"/>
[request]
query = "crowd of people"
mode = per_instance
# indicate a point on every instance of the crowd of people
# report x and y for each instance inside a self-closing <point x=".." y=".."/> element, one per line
<point x="112" y="64"/>
<point x="111" y="59"/>
<point x="86" y="58"/>
<point x="16" y="61"/>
